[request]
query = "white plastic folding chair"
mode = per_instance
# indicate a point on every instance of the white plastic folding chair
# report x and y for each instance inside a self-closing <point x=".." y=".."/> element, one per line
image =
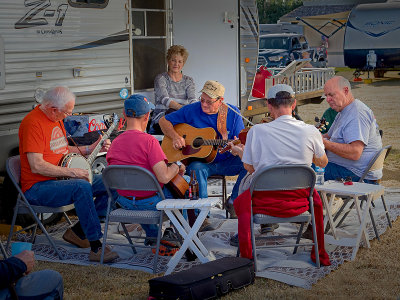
<point x="13" y="166"/>
<point x="285" y="178"/>
<point x="136" y="178"/>
<point x="375" y="163"/>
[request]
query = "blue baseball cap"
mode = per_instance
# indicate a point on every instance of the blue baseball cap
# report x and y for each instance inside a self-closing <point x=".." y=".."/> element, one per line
<point x="137" y="105"/>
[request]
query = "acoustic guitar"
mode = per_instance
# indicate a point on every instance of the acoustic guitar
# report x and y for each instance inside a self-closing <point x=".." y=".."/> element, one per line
<point x="201" y="143"/>
<point x="178" y="186"/>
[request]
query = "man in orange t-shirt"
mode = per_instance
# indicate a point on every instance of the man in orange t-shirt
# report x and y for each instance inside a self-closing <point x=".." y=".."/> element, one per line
<point x="42" y="144"/>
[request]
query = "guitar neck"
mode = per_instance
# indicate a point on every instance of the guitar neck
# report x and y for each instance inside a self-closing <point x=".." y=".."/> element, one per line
<point x="105" y="136"/>
<point x="216" y="142"/>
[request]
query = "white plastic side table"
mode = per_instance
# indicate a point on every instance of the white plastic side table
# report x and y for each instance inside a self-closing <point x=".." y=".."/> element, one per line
<point x="356" y="190"/>
<point x="172" y="208"/>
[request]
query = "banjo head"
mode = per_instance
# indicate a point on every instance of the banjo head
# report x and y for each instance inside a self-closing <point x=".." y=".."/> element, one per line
<point x="74" y="160"/>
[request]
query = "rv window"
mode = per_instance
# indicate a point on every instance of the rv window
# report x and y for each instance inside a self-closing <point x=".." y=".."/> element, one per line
<point x="138" y="23"/>
<point x="155" y="23"/>
<point x="88" y="3"/>
<point x="146" y="4"/>
<point x="149" y="41"/>
<point x="149" y="60"/>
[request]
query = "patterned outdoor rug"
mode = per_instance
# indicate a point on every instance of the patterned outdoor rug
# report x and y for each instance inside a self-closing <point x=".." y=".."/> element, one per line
<point x="277" y="264"/>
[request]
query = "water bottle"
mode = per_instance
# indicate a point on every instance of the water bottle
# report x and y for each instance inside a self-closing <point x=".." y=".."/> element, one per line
<point x="320" y="173"/>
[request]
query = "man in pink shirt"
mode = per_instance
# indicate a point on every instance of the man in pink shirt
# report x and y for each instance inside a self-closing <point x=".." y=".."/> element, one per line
<point x="136" y="147"/>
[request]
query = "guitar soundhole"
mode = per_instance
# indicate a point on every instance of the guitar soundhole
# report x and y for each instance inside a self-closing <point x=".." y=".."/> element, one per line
<point x="198" y="142"/>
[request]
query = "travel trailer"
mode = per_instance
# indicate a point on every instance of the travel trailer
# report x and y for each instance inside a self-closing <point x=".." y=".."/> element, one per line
<point x="372" y="37"/>
<point x="98" y="47"/>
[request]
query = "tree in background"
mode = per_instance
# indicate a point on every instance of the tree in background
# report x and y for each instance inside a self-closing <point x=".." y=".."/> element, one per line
<point x="269" y="11"/>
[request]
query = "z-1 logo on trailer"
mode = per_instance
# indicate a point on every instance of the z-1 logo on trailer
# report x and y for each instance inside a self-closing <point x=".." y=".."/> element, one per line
<point x="39" y="14"/>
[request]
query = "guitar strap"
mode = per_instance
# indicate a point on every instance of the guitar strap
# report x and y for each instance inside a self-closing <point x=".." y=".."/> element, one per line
<point x="221" y="121"/>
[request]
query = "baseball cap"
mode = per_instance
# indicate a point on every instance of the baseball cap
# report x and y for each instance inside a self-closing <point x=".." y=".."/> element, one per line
<point x="214" y="89"/>
<point x="137" y="105"/>
<point x="275" y="89"/>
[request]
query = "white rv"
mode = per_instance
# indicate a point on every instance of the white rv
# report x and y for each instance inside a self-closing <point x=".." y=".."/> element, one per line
<point x="98" y="47"/>
<point x="372" y="38"/>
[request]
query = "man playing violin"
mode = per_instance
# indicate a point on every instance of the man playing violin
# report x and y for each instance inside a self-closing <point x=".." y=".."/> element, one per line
<point x="210" y="111"/>
<point x="284" y="141"/>
<point x="42" y="144"/>
<point x="138" y="148"/>
<point x="353" y="139"/>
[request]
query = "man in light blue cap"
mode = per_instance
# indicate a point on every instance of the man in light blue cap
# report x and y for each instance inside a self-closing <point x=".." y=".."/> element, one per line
<point x="138" y="148"/>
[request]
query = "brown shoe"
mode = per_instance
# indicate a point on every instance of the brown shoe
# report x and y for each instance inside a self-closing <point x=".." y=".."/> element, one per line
<point x="231" y="210"/>
<point x="108" y="255"/>
<point x="72" y="238"/>
<point x="206" y="226"/>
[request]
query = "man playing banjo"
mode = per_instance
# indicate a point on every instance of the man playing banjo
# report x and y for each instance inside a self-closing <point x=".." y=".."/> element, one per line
<point x="42" y="144"/>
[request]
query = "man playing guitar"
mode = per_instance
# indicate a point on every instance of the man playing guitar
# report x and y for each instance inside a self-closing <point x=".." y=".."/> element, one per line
<point x="212" y="112"/>
<point x="42" y="144"/>
<point x="138" y="148"/>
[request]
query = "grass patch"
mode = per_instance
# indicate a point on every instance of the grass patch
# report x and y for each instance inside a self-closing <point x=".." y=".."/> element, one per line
<point x="374" y="274"/>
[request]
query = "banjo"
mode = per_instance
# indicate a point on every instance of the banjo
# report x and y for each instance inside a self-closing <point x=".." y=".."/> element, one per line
<point x="75" y="160"/>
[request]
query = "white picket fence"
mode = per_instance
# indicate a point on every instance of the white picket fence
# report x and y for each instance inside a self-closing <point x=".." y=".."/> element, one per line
<point x="303" y="81"/>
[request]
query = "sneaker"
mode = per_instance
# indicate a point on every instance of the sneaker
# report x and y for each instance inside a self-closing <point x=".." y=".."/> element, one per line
<point x="166" y="249"/>
<point x="150" y="241"/>
<point x="231" y="210"/>
<point x="108" y="255"/>
<point x="71" y="237"/>
<point x="265" y="228"/>
<point x="171" y="236"/>
<point x="234" y="240"/>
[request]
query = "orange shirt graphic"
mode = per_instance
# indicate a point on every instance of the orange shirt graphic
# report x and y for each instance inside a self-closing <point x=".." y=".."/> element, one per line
<point x="39" y="134"/>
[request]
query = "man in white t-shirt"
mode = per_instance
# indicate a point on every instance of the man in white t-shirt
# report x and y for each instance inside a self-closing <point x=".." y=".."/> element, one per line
<point x="284" y="141"/>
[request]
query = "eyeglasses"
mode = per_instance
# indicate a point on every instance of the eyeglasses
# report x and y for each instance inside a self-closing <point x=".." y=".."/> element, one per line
<point x="67" y="113"/>
<point x="208" y="102"/>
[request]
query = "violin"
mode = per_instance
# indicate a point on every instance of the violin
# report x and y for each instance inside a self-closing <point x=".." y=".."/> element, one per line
<point x="321" y="123"/>
<point x="241" y="140"/>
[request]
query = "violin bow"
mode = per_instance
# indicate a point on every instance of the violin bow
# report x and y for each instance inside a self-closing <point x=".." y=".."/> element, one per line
<point x="238" y="113"/>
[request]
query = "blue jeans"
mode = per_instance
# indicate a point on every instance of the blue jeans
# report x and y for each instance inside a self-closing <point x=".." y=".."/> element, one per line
<point x="45" y="284"/>
<point x="334" y="171"/>
<point x="55" y="193"/>
<point x="230" y="167"/>
<point x="145" y="204"/>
